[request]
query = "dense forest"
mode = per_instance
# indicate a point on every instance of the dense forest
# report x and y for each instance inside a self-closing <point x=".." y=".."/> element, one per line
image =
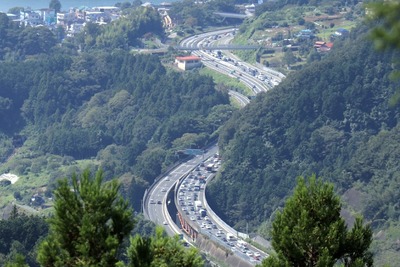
<point x="127" y="111"/>
<point x="89" y="103"/>
<point x="334" y="119"/>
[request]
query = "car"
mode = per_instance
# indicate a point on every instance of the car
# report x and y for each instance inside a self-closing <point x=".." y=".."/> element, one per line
<point x="184" y="208"/>
<point x="208" y="226"/>
<point x="217" y="234"/>
<point x="257" y="254"/>
<point x="159" y="202"/>
<point x="165" y="222"/>
<point x="166" y="178"/>
<point x="214" y="226"/>
<point x="152" y="201"/>
<point x="224" y="239"/>
<point x="163" y="189"/>
<point x="192" y="218"/>
<point x="249" y="253"/>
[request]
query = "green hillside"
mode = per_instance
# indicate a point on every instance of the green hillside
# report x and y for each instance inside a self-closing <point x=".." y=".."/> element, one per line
<point x="125" y="113"/>
<point x="332" y="118"/>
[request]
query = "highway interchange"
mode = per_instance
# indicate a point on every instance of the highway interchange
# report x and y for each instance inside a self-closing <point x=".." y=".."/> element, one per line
<point x="184" y="179"/>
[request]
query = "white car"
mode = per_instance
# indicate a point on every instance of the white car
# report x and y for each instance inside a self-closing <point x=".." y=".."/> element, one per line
<point x="165" y="222"/>
<point x="163" y="189"/>
<point x="167" y="178"/>
<point x="249" y="253"/>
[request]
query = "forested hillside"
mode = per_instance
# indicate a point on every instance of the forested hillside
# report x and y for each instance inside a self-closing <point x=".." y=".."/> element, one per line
<point x="333" y="118"/>
<point x="127" y="112"/>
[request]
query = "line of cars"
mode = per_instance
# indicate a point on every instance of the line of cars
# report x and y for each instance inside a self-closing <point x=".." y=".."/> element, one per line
<point x="190" y="203"/>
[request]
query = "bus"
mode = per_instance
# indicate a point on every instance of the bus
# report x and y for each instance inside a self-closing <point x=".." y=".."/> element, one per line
<point x="210" y="167"/>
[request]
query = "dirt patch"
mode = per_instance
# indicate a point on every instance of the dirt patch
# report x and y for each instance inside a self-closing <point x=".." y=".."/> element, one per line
<point x="10" y="177"/>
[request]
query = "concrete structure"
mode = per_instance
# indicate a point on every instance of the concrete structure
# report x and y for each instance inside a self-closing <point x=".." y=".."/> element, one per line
<point x="188" y="62"/>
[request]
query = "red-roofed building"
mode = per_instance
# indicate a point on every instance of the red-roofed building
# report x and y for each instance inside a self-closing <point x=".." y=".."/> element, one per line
<point x="188" y="62"/>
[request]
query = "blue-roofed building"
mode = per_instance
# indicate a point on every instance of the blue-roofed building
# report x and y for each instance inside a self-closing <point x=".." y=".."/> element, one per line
<point x="306" y="34"/>
<point x="342" y="32"/>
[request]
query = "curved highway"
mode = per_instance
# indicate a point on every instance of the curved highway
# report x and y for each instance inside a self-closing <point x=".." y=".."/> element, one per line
<point x="155" y="202"/>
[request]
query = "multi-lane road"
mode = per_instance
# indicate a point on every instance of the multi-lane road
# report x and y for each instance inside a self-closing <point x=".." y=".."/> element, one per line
<point x="155" y="201"/>
<point x="193" y="205"/>
<point x="182" y="179"/>
<point x="258" y="79"/>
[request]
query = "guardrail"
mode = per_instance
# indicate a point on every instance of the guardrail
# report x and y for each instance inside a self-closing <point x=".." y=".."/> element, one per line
<point x="224" y="225"/>
<point x="156" y="180"/>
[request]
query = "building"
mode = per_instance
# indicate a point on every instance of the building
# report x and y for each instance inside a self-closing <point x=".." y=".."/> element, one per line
<point x="30" y="18"/>
<point x="321" y="46"/>
<point x="188" y="62"/>
<point x="305" y="34"/>
<point x="342" y="32"/>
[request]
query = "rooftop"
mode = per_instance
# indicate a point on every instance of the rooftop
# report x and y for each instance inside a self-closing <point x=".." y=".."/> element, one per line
<point x="186" y="58"/>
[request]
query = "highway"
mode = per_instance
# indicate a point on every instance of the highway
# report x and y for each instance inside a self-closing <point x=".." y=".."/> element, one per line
<point x="155" y="201"/>
<point x="183" y="177"/>
<point x="257" y="79"/>
<point x="192" y="204"/>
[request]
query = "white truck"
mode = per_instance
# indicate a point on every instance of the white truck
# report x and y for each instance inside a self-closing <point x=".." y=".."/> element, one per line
<point x="198" y="205"/>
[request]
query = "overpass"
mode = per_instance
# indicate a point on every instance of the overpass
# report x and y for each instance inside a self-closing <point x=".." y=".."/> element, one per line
<point x="232" y="15"/>
<point x="220" y="47"/>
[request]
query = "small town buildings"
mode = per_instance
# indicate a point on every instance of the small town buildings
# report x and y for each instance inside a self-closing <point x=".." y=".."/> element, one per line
<point x="188" y="62"/>
<point x="305" y="34"/>
<point x="322" y="46"/>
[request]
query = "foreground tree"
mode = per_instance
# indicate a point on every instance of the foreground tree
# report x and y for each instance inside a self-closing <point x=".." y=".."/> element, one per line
<point x="89" y="224"/>
<point x="310" y="231"/>
<point x="161" y="250"/>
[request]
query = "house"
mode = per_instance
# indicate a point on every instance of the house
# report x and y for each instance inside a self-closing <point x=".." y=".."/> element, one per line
<point x="305" y="34"/>
<point x="188" y="62"/>
<point x="30" y="18"/>
<point x="65" y="19"/>
<point x="48" y="15"/>
<point x="322" y="46"/>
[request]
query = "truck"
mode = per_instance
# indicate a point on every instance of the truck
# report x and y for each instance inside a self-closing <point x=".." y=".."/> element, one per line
<point x="203" y="213"/>
<point x="210" y="167"/>
<point x="198" y="204"/>
<point x="230" y="237"/>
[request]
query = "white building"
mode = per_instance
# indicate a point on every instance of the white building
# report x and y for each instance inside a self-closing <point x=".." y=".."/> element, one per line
<point x="188" y="62"/>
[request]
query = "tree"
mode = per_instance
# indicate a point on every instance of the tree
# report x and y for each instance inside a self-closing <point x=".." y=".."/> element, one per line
<point x="289" y="57"/>
<point x="15" y="10"/>
<point x="161" y="250"/>
<point x="56" y="5"/>
<point x="310" y="232"/>
<point x="387" y="34"/>
<point x="89" y="225"/>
